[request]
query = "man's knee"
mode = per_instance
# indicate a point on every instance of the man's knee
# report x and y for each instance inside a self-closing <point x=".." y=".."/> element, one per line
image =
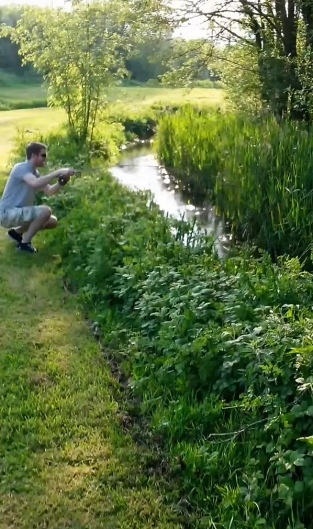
<point x="51" y="223"/>
<point x="44" y="212"/>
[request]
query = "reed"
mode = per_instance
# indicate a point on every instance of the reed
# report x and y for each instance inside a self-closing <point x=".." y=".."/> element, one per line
<point x="257" y="172"/>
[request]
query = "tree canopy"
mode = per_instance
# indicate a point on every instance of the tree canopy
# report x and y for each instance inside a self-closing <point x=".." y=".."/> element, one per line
<point x="279" y="35"/>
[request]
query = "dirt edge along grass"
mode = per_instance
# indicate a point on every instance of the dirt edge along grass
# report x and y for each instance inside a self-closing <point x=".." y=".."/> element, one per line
<point x="65" y="459"/>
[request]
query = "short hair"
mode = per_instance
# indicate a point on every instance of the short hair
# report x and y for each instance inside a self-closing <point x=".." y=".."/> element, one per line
<point x="34" y="148"/>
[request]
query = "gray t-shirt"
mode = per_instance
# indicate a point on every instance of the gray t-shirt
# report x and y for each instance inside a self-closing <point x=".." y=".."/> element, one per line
<point x="17" y="193"/>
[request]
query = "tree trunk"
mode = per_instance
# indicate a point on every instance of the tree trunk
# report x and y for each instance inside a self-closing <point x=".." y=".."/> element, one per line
<point x="306" y="7"/>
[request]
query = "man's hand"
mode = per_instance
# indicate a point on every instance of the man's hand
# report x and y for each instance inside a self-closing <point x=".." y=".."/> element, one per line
<point x="67" y="172"/>
<point x="65" y="175"/>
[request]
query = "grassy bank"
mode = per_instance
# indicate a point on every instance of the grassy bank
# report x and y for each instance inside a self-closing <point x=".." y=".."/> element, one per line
<point x="67" y="459"/>
<point x="37" y="120"/>
<point x="218" y="354"/>
<point x="257" y="173"/>
<point x="22" y="95"/>
<point x="133" y="107"/>
<point x="139" y="96"/>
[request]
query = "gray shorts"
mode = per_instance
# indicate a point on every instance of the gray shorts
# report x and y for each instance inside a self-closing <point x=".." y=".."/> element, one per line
<point x="14" y="217"/>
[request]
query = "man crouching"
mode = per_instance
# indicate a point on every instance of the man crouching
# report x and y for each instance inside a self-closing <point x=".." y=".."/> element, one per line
<point x="17" y="210"/>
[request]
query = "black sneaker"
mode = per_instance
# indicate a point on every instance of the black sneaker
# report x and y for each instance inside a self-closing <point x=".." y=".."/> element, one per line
<point x="26" y="247"/>
<point x="16" y="237"/>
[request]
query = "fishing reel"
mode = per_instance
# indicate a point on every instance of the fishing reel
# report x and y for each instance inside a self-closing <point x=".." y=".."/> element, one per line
<point x="63" y="180"/>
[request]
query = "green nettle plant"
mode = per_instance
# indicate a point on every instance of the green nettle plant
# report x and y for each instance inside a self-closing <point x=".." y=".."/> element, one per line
<point x="79" y="54"/>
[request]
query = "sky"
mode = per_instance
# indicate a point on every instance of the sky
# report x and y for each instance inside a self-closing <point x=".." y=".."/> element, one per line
<point x="192" y="30"/>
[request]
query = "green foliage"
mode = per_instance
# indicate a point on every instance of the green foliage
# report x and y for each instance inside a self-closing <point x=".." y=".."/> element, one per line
<point x="140" y="125"/>
<point x="219" y="352"/>
<point x="208" y="83"/>
<point x="187" y="62"/>
<point x="257" y="172"/>
<point x="10" y="59"/>
<point x="17" y="104"/>
<point x="237" y="66"/>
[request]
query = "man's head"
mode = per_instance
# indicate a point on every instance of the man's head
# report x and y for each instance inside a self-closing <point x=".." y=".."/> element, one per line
<point x="36" y="153"/>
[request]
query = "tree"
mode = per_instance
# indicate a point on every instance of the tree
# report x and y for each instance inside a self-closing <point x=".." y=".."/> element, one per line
<point x="80" y="51"/>
<point x="77" y="53"/>
<point x="146" y="60"/>
<point x="10" y="59"/>
<point x="237" y="65"/>
<point x="187" y="61"/>
<point x="280" y="36"/>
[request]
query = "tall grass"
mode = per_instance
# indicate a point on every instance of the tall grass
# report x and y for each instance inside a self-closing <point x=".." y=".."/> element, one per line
<point x="257" y="172"/>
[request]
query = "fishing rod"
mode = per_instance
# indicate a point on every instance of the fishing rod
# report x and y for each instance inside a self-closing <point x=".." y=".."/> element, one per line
<point x="140" y="165"/>
<point x="92" y="170"/>
<point x="89" y="169"/>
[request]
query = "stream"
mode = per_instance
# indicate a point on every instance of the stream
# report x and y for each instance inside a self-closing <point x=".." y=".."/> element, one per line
<point x="138" y="168"/>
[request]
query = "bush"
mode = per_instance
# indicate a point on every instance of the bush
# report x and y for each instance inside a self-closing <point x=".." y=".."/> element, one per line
<point x="257" y="172"/>
<point x="136" y="125"/>
<point x="153" y="83"/>
<point x="9" y="79"/>
<point x="208" y="83"/>
<point x="219" y="352"/>
<point x="61" y="148"/>
<point x="130" y="82"/>
<point x="26" y="103"/>
<point x="142" y="127"/>
<point x="22" y="103"/>
<point x="109" y="136"/>
<point x="21" y="91"/>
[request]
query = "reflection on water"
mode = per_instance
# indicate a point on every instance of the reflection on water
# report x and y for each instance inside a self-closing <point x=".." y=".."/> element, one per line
<point x="139" y="169"/>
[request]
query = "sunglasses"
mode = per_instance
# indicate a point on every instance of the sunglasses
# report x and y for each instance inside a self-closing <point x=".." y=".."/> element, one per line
<point x="43" y="155"/>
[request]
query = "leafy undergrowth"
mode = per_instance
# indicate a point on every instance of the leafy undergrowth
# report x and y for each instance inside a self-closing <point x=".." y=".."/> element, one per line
<point x="65" y="460"/>
<point x="219" y="353"/>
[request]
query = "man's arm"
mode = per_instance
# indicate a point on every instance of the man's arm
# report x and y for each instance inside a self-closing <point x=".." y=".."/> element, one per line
<point x="52" y="190"/>
<point x="39" y="183"/>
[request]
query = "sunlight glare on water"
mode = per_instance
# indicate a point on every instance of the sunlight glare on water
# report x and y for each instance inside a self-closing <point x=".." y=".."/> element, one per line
<point x="138" y="169"/>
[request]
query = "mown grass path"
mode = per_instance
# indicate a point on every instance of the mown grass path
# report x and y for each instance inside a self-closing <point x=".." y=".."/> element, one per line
<point x="64" y="462"/>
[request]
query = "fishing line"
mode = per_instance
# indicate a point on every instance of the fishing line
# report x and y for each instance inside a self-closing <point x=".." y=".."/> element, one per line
<point x="140" y="165"/>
